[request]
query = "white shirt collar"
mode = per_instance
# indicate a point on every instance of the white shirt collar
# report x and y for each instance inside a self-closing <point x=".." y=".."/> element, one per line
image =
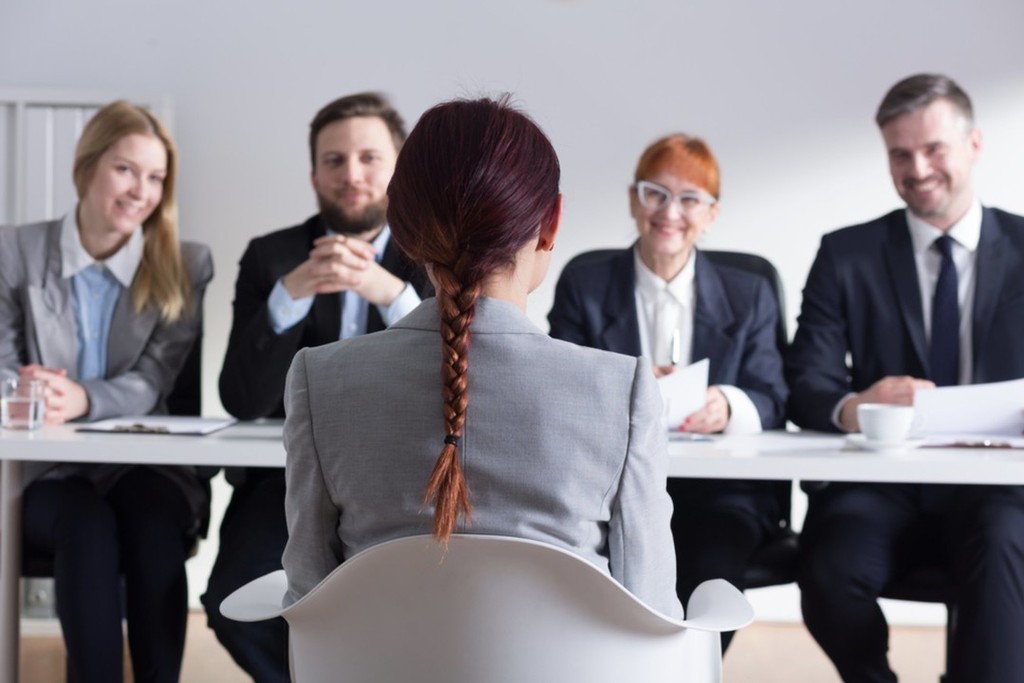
<point x="966" y="231"/>
<point x="74" y="258"/>
<point x="681" y="287"/>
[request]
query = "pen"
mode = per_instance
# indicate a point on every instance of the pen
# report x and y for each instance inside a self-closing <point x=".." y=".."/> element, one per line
<point x="674" y="344"/>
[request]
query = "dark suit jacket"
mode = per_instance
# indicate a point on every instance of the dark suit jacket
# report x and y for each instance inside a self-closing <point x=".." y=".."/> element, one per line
<point x="733" y="324"/>
<point x="862" y="297"/>
<point x="733" y="327"/>
<point x="257" y="358"/>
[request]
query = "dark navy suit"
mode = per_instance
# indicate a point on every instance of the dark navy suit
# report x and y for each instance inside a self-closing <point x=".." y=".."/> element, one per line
<point x="717" y="525"/>
<point x="253" y="533"/>
<point x="863" y="299"/>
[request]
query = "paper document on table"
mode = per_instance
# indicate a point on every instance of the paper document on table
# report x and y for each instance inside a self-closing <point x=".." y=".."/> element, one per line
<point x="996" y="409"/>
<point x="684" y="392"/>
<point x="158" y="424"/>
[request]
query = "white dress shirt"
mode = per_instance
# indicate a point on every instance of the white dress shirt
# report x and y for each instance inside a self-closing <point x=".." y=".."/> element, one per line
<point x="664" y="312"/>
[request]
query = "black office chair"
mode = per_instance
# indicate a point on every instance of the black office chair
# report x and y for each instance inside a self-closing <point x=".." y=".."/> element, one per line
<point x="775" y="563"/>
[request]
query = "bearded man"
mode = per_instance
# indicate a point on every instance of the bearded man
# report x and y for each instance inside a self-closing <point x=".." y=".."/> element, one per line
<point x="337" y="275"/>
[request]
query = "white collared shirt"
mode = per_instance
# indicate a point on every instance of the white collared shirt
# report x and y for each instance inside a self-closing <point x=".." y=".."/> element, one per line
<point x="73" y="256"/>
<point x="96" y="287"/>
<point x="664" y="308"/>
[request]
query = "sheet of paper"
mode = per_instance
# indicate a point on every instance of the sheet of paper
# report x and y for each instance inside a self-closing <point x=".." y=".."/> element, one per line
<point x="158" y="424"/>
<point x="992" y="409"/>
<point x="684" y="392"/>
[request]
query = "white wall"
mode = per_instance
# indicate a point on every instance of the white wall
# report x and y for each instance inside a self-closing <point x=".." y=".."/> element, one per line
<point x="784" y="92"/>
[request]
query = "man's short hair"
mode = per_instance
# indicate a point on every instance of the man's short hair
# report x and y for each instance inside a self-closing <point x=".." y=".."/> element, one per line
<point x="919" y="91"/>
<point x="351" y="106"/>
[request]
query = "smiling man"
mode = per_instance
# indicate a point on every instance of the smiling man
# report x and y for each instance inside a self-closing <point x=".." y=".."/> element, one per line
<point x="927" y="295"/>
<point x="337" y="275"/>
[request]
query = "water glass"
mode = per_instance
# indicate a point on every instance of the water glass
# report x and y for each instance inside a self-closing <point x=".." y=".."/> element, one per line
<point x="21" y="403"/>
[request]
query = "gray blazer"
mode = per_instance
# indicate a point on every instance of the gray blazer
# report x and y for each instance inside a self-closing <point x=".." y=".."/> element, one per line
<point x="562" y="444"/>
<point x="37" y="325"/>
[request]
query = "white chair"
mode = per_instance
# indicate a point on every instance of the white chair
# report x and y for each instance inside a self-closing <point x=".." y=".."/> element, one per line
<point x="493" y="610"/>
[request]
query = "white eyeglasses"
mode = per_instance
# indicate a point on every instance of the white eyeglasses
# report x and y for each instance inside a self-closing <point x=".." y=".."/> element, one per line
<point x="654" y="197"/>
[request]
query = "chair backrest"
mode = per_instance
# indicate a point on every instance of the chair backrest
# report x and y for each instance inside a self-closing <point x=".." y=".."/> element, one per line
<point x="495" y="609"/>
<point x="752" y="263"/>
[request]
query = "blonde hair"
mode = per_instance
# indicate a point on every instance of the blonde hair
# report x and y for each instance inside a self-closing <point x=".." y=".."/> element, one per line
<point x="161" y="280"/>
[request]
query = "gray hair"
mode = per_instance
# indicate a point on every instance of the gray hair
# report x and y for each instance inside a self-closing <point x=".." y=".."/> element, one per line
<point x="919" y="91"/>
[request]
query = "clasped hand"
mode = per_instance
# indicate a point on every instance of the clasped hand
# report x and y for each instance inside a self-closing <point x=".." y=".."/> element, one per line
<point x="339" y="263"/>
<point x="65" y="399"/>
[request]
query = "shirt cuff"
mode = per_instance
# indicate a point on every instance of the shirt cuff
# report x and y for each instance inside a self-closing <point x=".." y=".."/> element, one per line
<point x="743" y="415"/>
<point x="284" y="311"/>
<point x="403" y="304"/>
<point x="839" y="409"/>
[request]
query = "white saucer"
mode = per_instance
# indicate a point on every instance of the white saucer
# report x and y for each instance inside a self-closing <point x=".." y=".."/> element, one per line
<point x="860" y="442"/>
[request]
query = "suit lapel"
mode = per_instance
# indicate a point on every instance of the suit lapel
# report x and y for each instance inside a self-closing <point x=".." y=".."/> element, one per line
<point x="990" y="271"/>
<point x="621" y="332"/>
<point x="899" y="259"/>
<point x="50" y="311"/>
<point x="713" y="319"/>
<point x="133" y="332"/>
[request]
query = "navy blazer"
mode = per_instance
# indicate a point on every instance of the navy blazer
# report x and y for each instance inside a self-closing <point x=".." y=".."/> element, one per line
<point x="734" y="322"/>
<point x="257" y="358"/>
<point x="862" y="297"/>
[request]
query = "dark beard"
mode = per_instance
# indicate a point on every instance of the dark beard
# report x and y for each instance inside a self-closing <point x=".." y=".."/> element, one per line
<point x="334" y="219"/>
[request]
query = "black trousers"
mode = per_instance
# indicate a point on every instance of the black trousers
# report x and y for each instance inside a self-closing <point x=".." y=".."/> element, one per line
<point x="138" y="530"/>
<point x="252" y="538"/>
<point x="717" y="526"/>
<point x="857" y="537"/>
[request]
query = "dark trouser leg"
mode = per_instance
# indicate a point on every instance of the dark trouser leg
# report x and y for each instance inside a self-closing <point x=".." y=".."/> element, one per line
<point x="252" y="539"/>
<point x="713" y="543"/>
<point x="855" y="538"/>
<point x="68" y="519"/>
<point x="984" y="544"/>
<point x="153" y="520"/>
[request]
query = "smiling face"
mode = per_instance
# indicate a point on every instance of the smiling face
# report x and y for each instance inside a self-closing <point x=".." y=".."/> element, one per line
<point x="126" y="186"/>
<point x="931" y="154"/>
<point x="668" y="234"/>
<point x="355" y="159"/>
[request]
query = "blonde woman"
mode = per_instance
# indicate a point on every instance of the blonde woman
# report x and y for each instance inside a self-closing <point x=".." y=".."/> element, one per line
<point x="103" y="305"/>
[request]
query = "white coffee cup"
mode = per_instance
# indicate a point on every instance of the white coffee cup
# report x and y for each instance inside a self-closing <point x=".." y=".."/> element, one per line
<point x="21" y="403"/>
<point x="885" y="422"/>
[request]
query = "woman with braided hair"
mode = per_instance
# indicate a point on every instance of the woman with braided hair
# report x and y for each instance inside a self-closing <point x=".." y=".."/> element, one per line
<point x="464" y="416"/>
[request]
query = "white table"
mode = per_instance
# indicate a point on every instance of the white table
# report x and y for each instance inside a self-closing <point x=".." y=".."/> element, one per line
<point x="779" y="456"/>
<point x="256" y="445"/>
<point x="824" y="457"/>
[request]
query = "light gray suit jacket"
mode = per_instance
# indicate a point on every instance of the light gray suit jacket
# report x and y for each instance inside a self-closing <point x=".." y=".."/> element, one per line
<point x="562" y="444"/>
<point x="37" y="325"/>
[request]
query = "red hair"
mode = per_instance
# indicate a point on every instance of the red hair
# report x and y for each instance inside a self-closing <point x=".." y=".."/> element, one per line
<point x="684" y="156"/>
<point x="473" y="184"/>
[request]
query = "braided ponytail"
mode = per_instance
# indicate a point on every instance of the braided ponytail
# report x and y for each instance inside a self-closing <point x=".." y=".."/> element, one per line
<point x="447" y="489"/>
<point x="473" y="183"/>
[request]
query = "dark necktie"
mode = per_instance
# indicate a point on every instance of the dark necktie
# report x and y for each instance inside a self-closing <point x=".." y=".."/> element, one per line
<point x="944" y="355"/>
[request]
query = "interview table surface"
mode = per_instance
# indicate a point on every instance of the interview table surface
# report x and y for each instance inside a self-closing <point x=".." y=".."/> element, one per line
<point x="773" y="455"/>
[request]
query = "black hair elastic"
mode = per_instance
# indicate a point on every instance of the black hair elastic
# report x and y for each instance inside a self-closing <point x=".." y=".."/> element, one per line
<point x="453" y="440"/>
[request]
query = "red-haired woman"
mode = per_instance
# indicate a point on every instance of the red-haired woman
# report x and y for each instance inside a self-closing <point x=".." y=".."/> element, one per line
<point x="537" y="438"/>
<point x="665" y="301"/>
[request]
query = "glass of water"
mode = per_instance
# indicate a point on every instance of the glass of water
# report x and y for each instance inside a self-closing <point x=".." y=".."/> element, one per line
<point x="21" y="403"/>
